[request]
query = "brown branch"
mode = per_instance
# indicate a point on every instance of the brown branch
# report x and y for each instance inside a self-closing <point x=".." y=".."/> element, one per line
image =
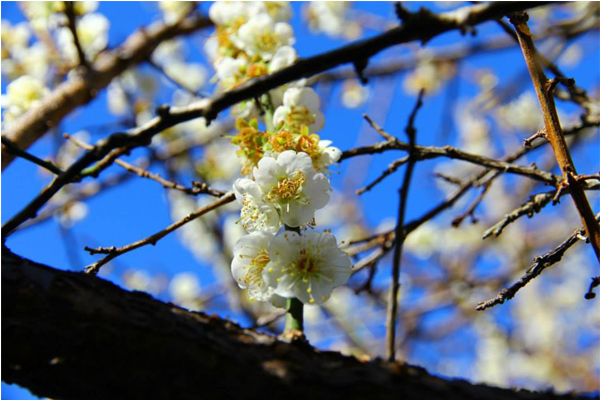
<point x="114" y="252"/>
<point x="80" y="89"/>
<point x="544" y="90"/>
<point x="74" y="336"/>
<point x="424" y="26"/>
<point x="539" y="265"/>
<point x="400" y="236"/>
<point x="532" y="206"/>
<point x="196" y="189"/>
<point x="430" y="152"/>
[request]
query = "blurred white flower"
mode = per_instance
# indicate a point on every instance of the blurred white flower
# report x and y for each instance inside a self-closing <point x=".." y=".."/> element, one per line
<point x="226" y="12"/>
<point x="301" y="106"/>
<point x="328" y="16"/>
<point x="21" y="94"/>
<point x="251" y="256"/>
<point x="92" y="32"/>
<point x="329" y="155"/>
<point x="262" y="36"/>
<point x="283" y="58"/>
<point x="174" y="11"/>
<point x="354" y="94"/>
<point x="291" y="184"/>
<point x="190" y="75"/>
<point x="521" y="114"/>
<point x="307" y="267"/>
<point x="184" y="288"/>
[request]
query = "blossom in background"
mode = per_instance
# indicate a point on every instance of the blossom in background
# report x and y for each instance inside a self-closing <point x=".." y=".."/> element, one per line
<point x="250" y="257"/>
<point x="354" y="94"/>
<point x="21" y="94"/>
<point x="173" y="11"/>
<point x="291" y="184"/>
<point x="92" y="32"/>
<point x="184" y="289"/>
<point x="262" y="36"/>
<point x="307" y="267"/>
<point x="331" y="18"/>
<point x="256" y="214"/>
<point x="521" y="114"/>
<point x="301" y="106"/>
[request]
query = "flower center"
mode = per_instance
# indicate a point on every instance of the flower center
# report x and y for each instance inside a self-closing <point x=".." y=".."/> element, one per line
<point x="254" y="273"/>
<point x="307" y="265"/>
<point x="289" y="188"/>
<point x="267" y="41"/>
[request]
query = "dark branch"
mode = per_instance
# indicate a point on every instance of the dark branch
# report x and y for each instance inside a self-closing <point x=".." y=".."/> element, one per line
<point x="56" y="324"/>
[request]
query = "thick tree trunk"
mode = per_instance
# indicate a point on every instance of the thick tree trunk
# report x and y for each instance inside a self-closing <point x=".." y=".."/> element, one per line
<point x="69" y="335"/>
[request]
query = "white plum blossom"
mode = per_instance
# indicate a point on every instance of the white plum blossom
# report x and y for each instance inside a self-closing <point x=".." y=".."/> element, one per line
<point x="190" y="75"/>
<point x="250" y="258"/>
<point x="291" y="184"/>
<point x="175" y="10"/>
<point x="329" y="155"/>
<point x="226" y="12"/>
<point x="184" y="289"/>
<point x="262" y="36"/>
<point x="283" y="58"/>
<point x="22" y="94"/>
<point x="300" y="107"/>
<point x="307" y="267"/>
<point x="256" y="214"/>
<point x="230" y="70"/>
<point x="92" y="32"/>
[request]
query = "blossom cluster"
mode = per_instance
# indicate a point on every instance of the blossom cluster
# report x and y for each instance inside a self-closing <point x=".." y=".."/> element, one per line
<point x="285" y="162"/>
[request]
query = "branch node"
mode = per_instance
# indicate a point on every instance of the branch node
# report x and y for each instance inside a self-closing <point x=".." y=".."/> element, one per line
<point x="359" y="66"/>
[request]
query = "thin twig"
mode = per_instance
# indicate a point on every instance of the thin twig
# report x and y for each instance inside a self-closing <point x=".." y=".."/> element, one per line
<point x="114" y="252"/>
<point x="530" y="207"/>
<point x="539" y="265"/>
<point x="544" y="89"/>
<point x="196" y="189"/>
<point x="593" y="285"/>
<point x="16" y="151"/>
<point x="392" y="310"/>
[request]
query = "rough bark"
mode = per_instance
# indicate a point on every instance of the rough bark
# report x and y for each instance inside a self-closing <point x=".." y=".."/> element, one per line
<point x="70" y="335"/>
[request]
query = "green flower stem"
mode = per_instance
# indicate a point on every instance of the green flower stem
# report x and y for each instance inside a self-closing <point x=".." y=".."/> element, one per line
<point x="294" y="315"/>
<point x="294" y="310"/>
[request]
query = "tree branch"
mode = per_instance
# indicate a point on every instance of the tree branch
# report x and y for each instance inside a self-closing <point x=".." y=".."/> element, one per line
<point x="81" y="88"/>
<point x="544" y="89"/>
<point x="56" y="324"/>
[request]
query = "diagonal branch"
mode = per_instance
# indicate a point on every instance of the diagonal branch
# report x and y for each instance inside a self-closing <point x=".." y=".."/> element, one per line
<point x="544" y="89"/>
<point x="74" y="336"/>
<point x="114" y="252"/>
<point x="539" y="265"/>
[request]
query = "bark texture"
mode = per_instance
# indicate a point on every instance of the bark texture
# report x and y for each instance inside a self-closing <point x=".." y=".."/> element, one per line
<point x="70" y="335"/>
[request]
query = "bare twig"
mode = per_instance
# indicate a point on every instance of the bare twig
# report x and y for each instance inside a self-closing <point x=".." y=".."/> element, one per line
<point x="113" y="252"/>
<point x="16" y="151"/>
<point x="430" y="152"/>
<point x="392" y="310"/>
<point x="196" y="189"/>
<point x="529" y="208"/>
<point x="593" y="285"/>
<point x="539" y="265"/>
<point x="544" y="90"/>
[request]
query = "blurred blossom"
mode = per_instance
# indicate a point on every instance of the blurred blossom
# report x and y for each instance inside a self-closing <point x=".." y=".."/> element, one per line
<point x="92" y="31"/>
<point x="521" y="114"/>
<point x="354" y="94"/>
<point x="331" y="18"/>
<point x="194" y="74"/>
<point x="21" y="94"/>
<point x="428" y="75"/>
<point x="572" y="56"/>
<point x="184" y="289"/>
<point x="173" y="11"/>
